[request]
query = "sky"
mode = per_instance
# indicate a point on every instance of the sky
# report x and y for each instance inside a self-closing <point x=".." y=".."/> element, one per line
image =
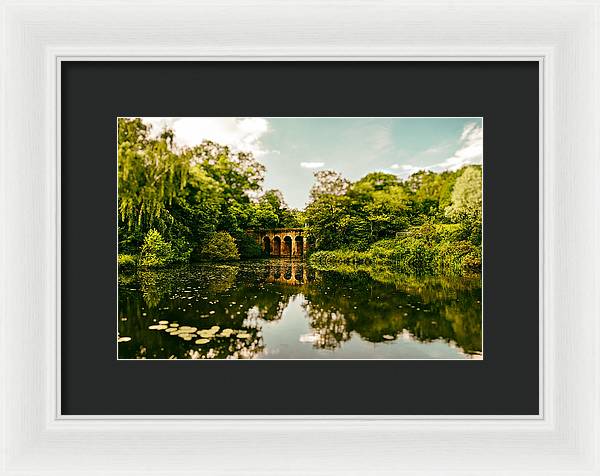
<point x="292" y="149"/>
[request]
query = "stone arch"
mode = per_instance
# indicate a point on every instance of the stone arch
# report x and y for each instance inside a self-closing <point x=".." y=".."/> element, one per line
<point x="267" y="245"/>
<point x="299" y="245"/>
<point x="282" y="242"/>
<point x="276" y="246"/>
<point x="287" y="246"/>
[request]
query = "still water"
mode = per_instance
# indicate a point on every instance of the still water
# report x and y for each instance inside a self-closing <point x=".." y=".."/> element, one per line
<point x="283" y="309"/>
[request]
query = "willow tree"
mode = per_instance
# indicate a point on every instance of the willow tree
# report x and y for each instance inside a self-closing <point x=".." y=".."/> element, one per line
<point x="150" y="175"/>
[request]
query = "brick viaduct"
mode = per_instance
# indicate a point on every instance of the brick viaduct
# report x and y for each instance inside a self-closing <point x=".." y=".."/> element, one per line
<point x="283" y="242"/>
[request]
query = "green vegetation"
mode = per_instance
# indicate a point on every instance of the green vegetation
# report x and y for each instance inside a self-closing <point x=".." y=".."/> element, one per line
<point x="427" y="224"/>
<point x="365" y="302"/>
<point x="220" y="247"/>
<point x="155" y="251"/>
<point x="126" y="261"/>
<point x="178" y="204"/>
<point x="420" y="252"/>
<point x="175" y="202"/>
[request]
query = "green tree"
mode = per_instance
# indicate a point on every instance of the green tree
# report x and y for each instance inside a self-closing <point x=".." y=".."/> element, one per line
<point x="264" y="216"/>
<point x="467" y="195"/>
<point x="150" y="175"/>
<point x="430" y="193"/>
<point x="373" y="208"/>
<point x="382" y="203"/>
<point x="174" y="199"/>
<point x="325" y="218"/>
<point x="328" y="182"/>
<point x="248" y="247"/>
<point x="239" y="175"/>
<point x="155" y="251"/>
<point x="197" y="208"/>
<point x="271" y="211"/>
<point x="220" y="247"/>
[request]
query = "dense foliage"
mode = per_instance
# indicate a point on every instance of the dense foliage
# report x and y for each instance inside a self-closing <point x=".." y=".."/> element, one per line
<point x="178" y="204"/>
<point x="156" y="251"/>
<point x="429" y="223"/>
<point x="220" y="247"/>
<point x="173" y="200"/>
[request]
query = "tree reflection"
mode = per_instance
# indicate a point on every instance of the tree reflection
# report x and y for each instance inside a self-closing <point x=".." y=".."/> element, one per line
<point x="375" y="305"/>
<point x="428" y="308"/>
<point x="331" y="327"/>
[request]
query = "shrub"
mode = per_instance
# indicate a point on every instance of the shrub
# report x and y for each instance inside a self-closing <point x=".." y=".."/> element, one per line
<point x="182" y="250"/>
<point x="460" y="257"/>
<point x="220" y="246"/>
<point x="422" y="252"/>
<point x="155" y="252"/>
<point x="345" y="256"/>
<point x="471" y="262"/>
<point x="126" y="261"/>
<point x="248" y="247"/>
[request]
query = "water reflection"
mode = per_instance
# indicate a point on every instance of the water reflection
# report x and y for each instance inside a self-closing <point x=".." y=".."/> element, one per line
<point x="286" y="309"/>
<point x="290" y="272"/>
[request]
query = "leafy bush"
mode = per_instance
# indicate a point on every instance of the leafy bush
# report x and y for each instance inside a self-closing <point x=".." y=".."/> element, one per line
<point x="155" y="252"/>
<point x="424" y="251"/>
<point x="182" y="250"/>
<point x="220" y="247"/>
<point x="126" y="261"/>
<point x="460" y="257"/>
<point x="412" y="254"/>
<point x="345" y="256"/>
<point x="248" y="247"/>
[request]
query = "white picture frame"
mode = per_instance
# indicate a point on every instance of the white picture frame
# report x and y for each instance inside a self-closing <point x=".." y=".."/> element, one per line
<point x="563" y="36"/>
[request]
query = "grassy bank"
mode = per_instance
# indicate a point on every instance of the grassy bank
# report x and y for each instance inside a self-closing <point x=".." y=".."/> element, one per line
<point x="434" y="250"/>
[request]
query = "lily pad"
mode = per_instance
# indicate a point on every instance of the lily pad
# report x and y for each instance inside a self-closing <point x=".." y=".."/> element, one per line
<point x="186" y="336"/>
<point x="163" y="322"/>
<point x="206" y="333"/>
<point x="123" y="339"/>
<point x="244" y="335"/>
<point x="388" y="337"/>
<point x="202" y="341"/>
<point x="158" y="327"/>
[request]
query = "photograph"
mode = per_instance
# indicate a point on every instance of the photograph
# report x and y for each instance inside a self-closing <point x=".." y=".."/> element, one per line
<point x="246" y="238"/>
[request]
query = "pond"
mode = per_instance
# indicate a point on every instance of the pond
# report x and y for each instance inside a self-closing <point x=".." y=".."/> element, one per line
<point x="285" y="309"/>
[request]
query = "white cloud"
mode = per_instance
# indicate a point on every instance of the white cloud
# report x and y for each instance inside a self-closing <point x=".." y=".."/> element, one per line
<point x="311" y="165"/>
<point x="381" y="139"/>
<point x="240" y="133"/>
<point x="469" y="151"/>
<point x="407" y="170"/>
<point x="401" y="167"/>
<point x="435" y="149"/>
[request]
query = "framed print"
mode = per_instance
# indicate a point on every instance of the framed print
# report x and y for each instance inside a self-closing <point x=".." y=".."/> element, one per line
<point x="372" y="274"/>
<point x="334" y="242"/>
<point x="294" y="271"/>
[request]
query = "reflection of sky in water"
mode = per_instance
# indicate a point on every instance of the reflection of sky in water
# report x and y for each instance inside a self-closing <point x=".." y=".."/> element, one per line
<point x="278" y="309"/>
<point x="278" y="338"/>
